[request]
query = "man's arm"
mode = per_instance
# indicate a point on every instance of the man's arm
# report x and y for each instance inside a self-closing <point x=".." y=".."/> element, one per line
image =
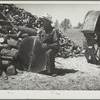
<point x="55" y="44"/>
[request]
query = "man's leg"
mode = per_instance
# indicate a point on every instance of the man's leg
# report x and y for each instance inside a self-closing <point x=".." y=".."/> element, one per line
<point x="51" y="62"/>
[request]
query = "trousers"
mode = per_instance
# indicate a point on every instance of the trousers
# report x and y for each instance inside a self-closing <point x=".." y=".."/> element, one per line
<point x="51" y="53"/>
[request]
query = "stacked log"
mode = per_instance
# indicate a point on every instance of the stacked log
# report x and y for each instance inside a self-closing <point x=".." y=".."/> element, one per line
<point x="68" y="48"/>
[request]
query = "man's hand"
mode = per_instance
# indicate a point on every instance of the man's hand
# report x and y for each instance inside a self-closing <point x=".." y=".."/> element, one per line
<point x="45" y="46"/>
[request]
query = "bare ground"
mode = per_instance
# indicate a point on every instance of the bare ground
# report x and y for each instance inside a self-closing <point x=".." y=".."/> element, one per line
<point x="73" y="74"/>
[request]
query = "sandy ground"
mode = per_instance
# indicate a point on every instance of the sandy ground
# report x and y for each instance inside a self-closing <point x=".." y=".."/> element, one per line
<point x="73" y="74"/>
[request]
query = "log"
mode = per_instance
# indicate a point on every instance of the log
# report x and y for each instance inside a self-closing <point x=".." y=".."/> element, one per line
<point x="5" y="63"/>
<point x="30" y="31"/>
<point x="24" y="35"/>
<point x="3" y="46"/>
<point x="4" y="22"/>
<point x="6" y="58"/>
<point x="12" y="43"/>
<point x="9" y="53"/>
<point x="11" y="70"/>
<point x="63" y="44"/>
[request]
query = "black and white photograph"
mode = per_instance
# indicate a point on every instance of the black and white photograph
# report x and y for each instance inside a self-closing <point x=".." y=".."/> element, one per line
<point x="50" y="46"/>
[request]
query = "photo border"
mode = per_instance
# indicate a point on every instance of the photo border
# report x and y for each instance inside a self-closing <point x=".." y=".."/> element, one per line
<point x="50" y="94"/>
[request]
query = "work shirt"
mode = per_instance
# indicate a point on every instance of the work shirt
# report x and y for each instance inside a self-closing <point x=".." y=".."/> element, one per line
<point x="51" y="39"/>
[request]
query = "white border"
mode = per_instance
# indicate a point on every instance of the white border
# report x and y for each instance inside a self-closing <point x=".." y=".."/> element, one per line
<point x="42" y="94"/>
<point x="52" y="2"/>
<point x="49" y="94"/>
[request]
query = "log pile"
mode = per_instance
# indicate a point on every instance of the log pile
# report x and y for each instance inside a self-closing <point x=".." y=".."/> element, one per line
<point x="15" y="25"/>
<point x="68" y="48"/>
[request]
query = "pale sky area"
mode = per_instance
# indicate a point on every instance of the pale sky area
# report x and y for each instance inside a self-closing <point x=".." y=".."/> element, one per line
<point x="74" y="12"/>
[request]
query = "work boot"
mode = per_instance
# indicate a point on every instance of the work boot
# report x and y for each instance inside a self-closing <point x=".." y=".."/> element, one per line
<point x="54" y="75"/>
<point x="4" y="75"/>
<point x="19" y="71"/>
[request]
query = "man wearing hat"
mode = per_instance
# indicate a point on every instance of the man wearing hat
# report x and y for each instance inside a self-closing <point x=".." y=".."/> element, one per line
<point x="50" y="43"/>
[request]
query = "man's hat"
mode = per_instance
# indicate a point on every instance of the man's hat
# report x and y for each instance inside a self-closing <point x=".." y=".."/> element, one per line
<point x="48" y="17"/>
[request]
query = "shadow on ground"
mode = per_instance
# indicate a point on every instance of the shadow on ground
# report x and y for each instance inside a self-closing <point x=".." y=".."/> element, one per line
<point x="60" y="71"/>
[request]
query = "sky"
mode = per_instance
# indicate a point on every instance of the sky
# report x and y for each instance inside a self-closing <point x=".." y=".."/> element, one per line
<point x="74" y="12"/>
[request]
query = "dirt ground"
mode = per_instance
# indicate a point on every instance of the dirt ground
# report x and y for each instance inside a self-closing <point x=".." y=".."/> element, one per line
<point x="73" y="74"/>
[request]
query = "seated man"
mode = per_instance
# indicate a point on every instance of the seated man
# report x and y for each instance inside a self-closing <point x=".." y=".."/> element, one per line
<point x="50" y="44"/>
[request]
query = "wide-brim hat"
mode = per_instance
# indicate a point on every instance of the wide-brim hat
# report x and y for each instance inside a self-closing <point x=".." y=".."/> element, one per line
<point x="47" y="17"/>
